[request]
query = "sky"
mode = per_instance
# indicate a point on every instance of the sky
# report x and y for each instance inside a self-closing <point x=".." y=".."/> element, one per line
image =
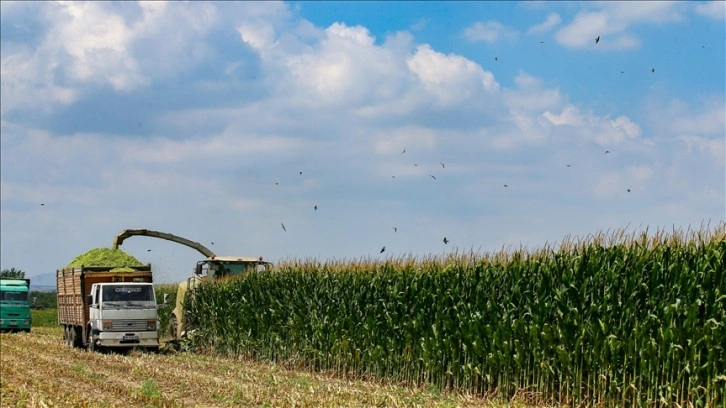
<point x="498" y="125"/>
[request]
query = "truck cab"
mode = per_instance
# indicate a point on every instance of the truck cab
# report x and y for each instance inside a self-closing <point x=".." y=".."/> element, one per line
<point x="122" y="314"/>
<point x="14" y="305"/>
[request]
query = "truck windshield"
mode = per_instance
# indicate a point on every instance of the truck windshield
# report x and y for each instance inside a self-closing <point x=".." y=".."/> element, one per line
<point x="127" y="293"/>
<point x="239" y="268"/>
<point x="14" y="296"/>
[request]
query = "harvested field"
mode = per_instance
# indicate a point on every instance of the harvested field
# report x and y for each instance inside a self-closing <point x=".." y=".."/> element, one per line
<point x="38" y="370"/>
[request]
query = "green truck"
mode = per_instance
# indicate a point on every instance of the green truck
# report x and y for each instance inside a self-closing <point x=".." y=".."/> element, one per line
<point x="15" y="305"/>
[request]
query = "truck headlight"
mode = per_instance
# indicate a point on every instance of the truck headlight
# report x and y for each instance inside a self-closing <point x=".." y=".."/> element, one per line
<point x="2" y="321"/>
<point x="26" y="321"/>
<point x="107" y="325"/>
<point x="151" y="325"/>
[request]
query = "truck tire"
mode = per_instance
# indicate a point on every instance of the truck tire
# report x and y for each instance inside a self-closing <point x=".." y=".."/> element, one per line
<point x="76" y="339"/>
<point x="65" y="335"/>
<point x="173" y="327"/>
<point x="68" y="335"/>
<point x="91" y="343"/>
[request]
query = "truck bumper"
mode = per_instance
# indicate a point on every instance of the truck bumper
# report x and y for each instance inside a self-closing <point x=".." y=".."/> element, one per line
<point x="15" y="324"/>
<point x="128" y="339"/>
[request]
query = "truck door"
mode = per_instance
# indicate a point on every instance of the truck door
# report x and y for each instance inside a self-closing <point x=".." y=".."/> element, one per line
<point x="95" y="310"/>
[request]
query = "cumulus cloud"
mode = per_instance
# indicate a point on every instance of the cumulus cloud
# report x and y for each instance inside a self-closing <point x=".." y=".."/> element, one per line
<point x="612" y="22"/>
<point x="450" y="78"/>
<point x="600" y="129"/>
<point x="553" y="19"/>
<point x="699" y="127"/>
<point x="712" y="9"/>
<point x="489" y="31"/>
<point x="340" y="105"/>
<point x="531" y="95"/>
<point x="96" y="40"/>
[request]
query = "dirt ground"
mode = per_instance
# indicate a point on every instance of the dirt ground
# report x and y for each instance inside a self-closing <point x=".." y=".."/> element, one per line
<point x="39" y="370"/>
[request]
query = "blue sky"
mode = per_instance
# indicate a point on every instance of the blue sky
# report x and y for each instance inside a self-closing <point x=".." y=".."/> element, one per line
<point x="197" y="119"/>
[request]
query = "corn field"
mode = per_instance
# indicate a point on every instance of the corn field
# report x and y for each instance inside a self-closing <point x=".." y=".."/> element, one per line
<point x="613" y="319"/>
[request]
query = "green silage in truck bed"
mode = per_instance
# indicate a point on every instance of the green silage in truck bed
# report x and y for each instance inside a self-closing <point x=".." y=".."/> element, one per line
<point x="105" y="257"/>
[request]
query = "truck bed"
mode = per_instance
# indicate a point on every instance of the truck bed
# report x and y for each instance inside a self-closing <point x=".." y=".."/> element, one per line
<point x="74" y="287"/>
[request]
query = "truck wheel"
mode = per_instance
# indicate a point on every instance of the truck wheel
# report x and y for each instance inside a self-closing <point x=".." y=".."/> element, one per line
<point x="91" y="343"/>
<point x="76" y="339"/>
<point x="173" y="326"/>
<point x="69" y="336"/>
<point x="71" y="332"/>
<point x="65" y="334"/>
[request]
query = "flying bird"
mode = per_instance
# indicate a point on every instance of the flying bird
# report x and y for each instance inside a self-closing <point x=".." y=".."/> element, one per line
<point x="442" y="165"/>
<point x="316" y="207"/>
<point x="506" y="185"/>
<point x="432" y="176"/>
<point x="628" y="190"/>
<point x="446" y="241"/>
<point x="652" y="70"/>
<point x="42" y="204"/>
<point x="301" y="173"/>
<point x="404" y="150"/>
<point x="212" y="242"/>
<point x="283" y="227"/>
<point x="395" y="229"/>
<point x="597" y="40"/>
<point x="148" y="250"/>
<point x="607" y="151"/>
<point x="277" y="183"/>
<point x="496" y="58"/>
<point x="383" y="249"/>
<point x="568" y="165"/>
<point x="393" y="176"/>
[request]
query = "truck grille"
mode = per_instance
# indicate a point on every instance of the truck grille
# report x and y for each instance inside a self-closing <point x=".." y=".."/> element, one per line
<point x="128" y="325"/>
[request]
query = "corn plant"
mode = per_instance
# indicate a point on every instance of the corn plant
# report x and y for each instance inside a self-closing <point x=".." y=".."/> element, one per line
<point x="611" y="319"/>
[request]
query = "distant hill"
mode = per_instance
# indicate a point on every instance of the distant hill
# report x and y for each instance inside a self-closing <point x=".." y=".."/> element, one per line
<point x="45" y="282"/>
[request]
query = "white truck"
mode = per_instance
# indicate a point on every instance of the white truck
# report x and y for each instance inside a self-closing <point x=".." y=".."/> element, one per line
<point x="114" y="308"/>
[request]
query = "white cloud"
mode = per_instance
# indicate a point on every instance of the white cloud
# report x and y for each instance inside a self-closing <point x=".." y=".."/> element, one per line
<point x="712" y="9"/>
<point x="612" y="21"/>
<point x="640" y="173"/>
<point x="259" y="35"/>
<point x="570" y="116"/>
<point x="452" y="79"/>
<point x="339" y="105"/>
<point x="715" y="148"/>
<point x="711" y="121"/>
<point x="97" y="42"/>
<point x="531" y="95"/>
<point x="489" y="31"/>
<point x="553" y="19"/>
<point x="602" y="130"/>
<point x="626" y="127"/>
<point x="411" y="138"/>
<point x="583" y="31"/>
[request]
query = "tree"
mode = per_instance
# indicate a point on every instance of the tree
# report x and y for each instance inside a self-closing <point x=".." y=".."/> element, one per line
<point x="12" y="273"/>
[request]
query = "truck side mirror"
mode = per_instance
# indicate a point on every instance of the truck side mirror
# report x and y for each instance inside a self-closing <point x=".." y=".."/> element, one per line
<point x="166" y="298"/>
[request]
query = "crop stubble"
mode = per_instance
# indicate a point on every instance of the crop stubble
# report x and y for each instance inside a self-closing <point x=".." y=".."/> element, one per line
<point x="39" y="370"/>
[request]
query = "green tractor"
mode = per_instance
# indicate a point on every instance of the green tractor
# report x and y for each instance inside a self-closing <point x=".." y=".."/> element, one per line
<point x="212" y="268"/>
